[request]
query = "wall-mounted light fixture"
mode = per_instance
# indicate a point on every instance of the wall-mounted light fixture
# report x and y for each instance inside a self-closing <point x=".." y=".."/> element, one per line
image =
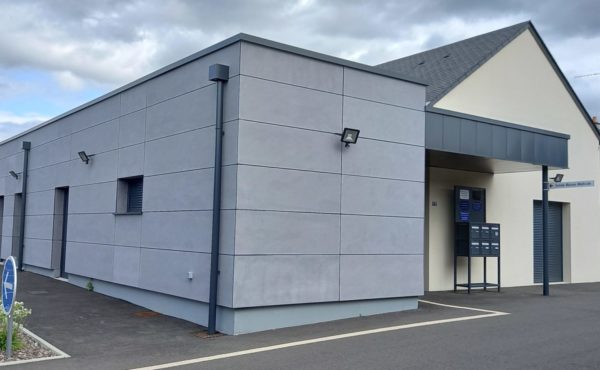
<point x="13" y="174"/>
<point x="85" y="158"/>
<point x="350" y="136"/>
<point x="558" y="177"/>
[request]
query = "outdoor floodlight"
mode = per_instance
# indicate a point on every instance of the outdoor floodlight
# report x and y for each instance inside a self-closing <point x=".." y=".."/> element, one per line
<point x="85" y="157"/>
<point x="558" y="177"/>
<point x="350" y="136"/>
<point x="13" y="174"/>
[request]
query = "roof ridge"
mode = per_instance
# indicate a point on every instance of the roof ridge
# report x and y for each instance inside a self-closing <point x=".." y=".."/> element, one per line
<point x="461" y="41"/>
<point x="460" y="59"/>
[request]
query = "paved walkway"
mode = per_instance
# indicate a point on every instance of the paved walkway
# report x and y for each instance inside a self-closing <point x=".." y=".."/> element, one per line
<point x="99" y="332"/>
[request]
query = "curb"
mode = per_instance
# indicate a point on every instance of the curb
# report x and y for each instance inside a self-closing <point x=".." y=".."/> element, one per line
<point x="58" y="353"/>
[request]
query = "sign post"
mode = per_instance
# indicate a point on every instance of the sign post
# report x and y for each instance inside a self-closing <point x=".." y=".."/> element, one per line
<point x="9" y="291"/>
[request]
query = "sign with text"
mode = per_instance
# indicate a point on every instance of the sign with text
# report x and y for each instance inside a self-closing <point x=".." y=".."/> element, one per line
<point x="572" y="184"/>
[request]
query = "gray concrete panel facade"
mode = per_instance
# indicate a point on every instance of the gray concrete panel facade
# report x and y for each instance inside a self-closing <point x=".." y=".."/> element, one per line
<point x="305" y="220"/>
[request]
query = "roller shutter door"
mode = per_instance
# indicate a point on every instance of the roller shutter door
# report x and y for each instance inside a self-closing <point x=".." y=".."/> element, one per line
<point x="555" y="250"/>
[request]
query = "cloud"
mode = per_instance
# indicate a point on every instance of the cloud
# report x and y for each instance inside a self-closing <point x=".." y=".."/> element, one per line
<point x="68" y="80"/>
<point x="25" y="119"/>
<point x="12" y="124"/>
<point x="112" y="42"/>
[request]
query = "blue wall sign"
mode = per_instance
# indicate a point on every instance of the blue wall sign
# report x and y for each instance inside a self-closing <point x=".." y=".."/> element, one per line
<point x="9" y="284"/>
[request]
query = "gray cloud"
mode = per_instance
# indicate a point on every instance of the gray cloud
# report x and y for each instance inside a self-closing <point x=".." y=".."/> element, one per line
<point x="112" y="42"/>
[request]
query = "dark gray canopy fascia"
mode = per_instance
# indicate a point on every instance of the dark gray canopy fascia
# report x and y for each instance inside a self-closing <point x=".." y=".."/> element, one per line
<point x="460" y="133"/>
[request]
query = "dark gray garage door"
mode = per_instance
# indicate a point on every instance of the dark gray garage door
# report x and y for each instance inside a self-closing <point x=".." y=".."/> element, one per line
<point x="555" y="254"/>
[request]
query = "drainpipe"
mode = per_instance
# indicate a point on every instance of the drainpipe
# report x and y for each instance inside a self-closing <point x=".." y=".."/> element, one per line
<point x="220" y="74"/>
<point x="545" y="189"/>
<point x="26" y="147"/>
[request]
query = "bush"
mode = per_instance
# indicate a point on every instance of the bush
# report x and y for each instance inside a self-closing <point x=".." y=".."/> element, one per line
<point x="20" y="313"/>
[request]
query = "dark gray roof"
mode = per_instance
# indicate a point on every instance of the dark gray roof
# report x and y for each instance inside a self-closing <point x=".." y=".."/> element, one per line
<point x="445" y="67"/>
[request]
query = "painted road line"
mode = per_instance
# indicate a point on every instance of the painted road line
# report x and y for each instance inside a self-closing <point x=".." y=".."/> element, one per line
<point x="487" y="314"/>
<point x="463" y="307"/>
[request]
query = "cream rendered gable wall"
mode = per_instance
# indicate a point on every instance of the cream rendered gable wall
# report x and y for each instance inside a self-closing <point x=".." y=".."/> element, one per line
<point x="519" y="85"/>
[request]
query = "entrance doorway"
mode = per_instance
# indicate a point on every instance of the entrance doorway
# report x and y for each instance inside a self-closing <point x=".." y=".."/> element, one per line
<point x="59" y="240"/>
<point x="555" y="242"/>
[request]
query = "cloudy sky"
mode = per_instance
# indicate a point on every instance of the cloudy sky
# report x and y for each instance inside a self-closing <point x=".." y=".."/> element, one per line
<point x="55" y="55"/>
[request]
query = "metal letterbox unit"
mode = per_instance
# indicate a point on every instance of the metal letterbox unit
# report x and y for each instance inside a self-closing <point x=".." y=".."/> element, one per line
<point x="475" y="231"/>
<point x="475" y="248"/>
<point x="485" y="248"/>
<point x="469" y="204"/>
<point x="473" y="237"/>
<point x="477" y="239"/>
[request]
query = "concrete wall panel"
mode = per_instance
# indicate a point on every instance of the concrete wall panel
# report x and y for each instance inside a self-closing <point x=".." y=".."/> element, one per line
<point x="93" y="198"/>
<point x="91" y="228"/>
<point x="40" y="203"/>
<point x="190" y="190"/>
<point x="174" y="267"/>
<point x="37" y="252"/>
<point x="39" y="227"/>
<point x="131" y="161"/>
<point x="101" y="168"/>
<point x="370" y="196"/>
<point x="271" y="64"/>
<point x="132" y="128"/>
<point x="6" y="246"/>
<point x="128" y="229"/>
<point x="271" y="102"/>
<point x="96" y="139"/>
<point x="384" y="122"/>
<point x="381" y="235"/>
<point x="90" y="260"/>
<point x="126" y="265"/>
<point x="383" y="159"/>
<point x="100" y="112"/>
<point x="181" y="114"/>
<point x="50" y="153"/>
<point x="364" y="85"/>
<point x="264" y="232"/>
<point x="187" y="231"/>
<point x="134" y="99"/>
<point x="286" y="190"/>
<point x="191" y="76"/>
<point x="276" y="280"/>
<point x="182" y="152"/>
<point x="365" y="277"/>
<point x="286" y="147"/>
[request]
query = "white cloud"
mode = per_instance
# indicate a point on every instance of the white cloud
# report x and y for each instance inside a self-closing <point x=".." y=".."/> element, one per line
<point x="68" y="81"/>
<point x="23" y="119"/>
<point x="110" y="43"/>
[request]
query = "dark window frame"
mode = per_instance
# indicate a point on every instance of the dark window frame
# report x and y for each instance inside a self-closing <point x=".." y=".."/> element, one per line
<point x="130" y="195"/>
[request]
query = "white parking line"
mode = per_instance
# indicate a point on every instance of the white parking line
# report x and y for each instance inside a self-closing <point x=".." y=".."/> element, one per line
<point x="488" y="313"/>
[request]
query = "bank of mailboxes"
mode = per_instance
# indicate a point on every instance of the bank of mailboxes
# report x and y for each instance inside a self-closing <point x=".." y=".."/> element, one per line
<point x="477" y="239"/>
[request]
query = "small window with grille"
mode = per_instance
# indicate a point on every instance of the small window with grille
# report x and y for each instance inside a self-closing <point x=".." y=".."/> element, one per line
<point x="130" y="194"/>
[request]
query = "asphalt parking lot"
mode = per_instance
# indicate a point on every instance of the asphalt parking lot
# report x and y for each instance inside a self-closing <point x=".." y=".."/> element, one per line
<point x="557" y="332"/>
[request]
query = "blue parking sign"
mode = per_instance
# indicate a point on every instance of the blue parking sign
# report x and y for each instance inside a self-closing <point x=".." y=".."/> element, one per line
<point x="9" y="284"/>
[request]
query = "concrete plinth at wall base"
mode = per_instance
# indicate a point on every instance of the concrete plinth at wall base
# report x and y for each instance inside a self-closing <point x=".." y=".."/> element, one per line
<point x="247" y="320"/>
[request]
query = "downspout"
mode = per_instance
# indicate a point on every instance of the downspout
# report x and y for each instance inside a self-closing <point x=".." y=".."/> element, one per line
<point x="545" y="189"/>
<point x="26" y="147"/>
<point x="220" y="74"/>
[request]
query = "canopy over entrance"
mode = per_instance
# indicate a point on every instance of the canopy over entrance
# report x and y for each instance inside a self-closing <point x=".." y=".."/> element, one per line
<point x="465" y="142"/>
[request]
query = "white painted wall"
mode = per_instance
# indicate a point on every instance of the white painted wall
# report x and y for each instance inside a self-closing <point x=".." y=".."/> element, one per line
<point x="519" y="85"/>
